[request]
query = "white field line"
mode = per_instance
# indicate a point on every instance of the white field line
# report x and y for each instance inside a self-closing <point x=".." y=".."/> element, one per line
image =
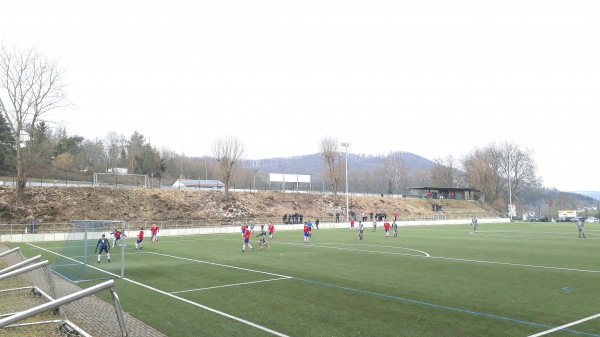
<point x="564" y="326"/>
<point x="183" y="299"/>
<point x="422" y="253"/>
<point x="218" y="264"/>
<point x="230" y="285"/>
<point x="209" y="309"/>
<point x="77" y="262"/>
<point x="426" y="255"/>
<point x="514" y="264"/>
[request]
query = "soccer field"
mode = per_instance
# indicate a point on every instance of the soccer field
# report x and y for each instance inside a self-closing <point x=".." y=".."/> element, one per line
<point x="513" y="279"/>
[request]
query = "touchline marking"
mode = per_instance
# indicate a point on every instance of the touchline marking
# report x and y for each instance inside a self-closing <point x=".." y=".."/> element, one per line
<point x="180" y="298"/>
<point x="450" y="308"/>
<point x="565" y="326"/>
<point x="230" y="285"/>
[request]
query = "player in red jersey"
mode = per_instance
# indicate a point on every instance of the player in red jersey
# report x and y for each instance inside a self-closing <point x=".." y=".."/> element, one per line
<point x="247" y="240"/>
<point x="306" y="233"/>
<point x="387" y="226"/>
<point x="271" y="229"/>
<point x="117" y="236"/>
<point x="352" y="224"/>
<point x="154" y="230"/>
<point x="244" y="230"/>
<point x="140" y="238"/>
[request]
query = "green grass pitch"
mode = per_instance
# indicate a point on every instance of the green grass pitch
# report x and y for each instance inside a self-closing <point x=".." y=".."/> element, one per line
<point x="514" y="279"/>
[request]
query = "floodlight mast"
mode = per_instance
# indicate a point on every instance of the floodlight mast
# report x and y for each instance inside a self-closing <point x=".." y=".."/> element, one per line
<point x="346" y="144"/>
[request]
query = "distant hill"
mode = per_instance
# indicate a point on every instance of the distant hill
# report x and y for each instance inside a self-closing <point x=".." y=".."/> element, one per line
<point x="592" y="194"/>
<point x="313" y="165"/>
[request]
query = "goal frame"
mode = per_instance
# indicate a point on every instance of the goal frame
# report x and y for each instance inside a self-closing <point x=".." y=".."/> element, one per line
<point x="96" y="183"/>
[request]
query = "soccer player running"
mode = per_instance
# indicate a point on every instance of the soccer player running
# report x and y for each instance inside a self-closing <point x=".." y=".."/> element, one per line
<point x="247" y="240"/>
<point x="262" y="236"/>
<point x="374" y="225"/>
<point x="117" y="236"/>
<point x="103" y="245"/>
<point x="154" y="230"/>
<point x="360" y="230"/>
<point x="580" y="228"/>
<point x="352" y="224"/>
<point x="306" y="233"/>
<point x="474" y="224"/>
<point x="386" y="226"/>
<point x="395" y="228"/>
<point x="271" y="229"/>
<point x="140" y="238"/>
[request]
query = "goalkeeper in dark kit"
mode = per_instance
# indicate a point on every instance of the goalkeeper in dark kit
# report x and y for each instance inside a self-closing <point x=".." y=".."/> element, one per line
<point x="103" y="245"/>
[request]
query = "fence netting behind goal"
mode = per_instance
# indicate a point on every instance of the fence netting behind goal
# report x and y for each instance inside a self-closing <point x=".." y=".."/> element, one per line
<point x="78" y="259"/>
<point x="33" y="302"/>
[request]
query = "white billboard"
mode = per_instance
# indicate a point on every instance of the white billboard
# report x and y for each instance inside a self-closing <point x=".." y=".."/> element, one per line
<point x="289" y="178"/>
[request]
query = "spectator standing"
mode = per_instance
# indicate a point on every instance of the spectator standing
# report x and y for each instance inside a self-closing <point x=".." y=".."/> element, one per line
<point x="317" y="223"/>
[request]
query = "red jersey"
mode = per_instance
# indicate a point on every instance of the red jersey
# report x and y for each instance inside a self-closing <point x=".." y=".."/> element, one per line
<point x="352" y="221"/>
<point x="154" y="229"/>
<point x="141" y="235"/>
<point x="117" y="234"/>
<point x="386" y="226"/>
<point x="306" y="229"/>
<point x="247" y="235"/>
<point x="271" y="228"/>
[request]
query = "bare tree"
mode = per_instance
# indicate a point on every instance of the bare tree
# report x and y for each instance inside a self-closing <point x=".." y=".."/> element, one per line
<point x="228" y="151"/>
<point x="501" y="172"/>
<point x="113" y="144"/>
<point x="442" y="173"/>
<point x="31" y="87"/>
<point x="395" y="170"/>
<point x="332" y="156"/>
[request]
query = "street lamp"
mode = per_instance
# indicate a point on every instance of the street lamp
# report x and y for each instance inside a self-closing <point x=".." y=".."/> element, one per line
<point x="345" y="144"/>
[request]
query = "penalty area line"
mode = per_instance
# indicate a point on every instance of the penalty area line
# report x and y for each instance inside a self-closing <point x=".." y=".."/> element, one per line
<point x="241" y="320"/>
<point x="564" y="326"/>
<point x="230" y="285"/>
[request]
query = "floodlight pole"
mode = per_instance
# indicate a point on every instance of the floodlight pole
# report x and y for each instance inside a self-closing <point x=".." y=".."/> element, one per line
<point x="509" y="190"/>
<point x="346" y="144"/>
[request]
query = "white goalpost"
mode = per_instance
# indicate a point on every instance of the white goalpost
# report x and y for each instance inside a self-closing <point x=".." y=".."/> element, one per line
<point x="121" y="179"/>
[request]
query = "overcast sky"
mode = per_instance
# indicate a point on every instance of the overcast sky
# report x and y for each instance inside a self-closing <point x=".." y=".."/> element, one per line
<point x="432" y="77"/>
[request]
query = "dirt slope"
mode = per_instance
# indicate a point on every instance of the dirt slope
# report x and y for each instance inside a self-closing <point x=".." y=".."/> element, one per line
<point x="60" y="204"/>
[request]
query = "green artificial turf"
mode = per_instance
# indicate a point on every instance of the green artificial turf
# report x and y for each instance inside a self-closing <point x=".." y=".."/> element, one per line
<point x="513" y="279"/>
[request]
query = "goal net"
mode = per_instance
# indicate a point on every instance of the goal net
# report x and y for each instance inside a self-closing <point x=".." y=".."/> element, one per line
<point x="80" y="259"/>
<point x="33" y="304"/>
<point x="121" y="180"/>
